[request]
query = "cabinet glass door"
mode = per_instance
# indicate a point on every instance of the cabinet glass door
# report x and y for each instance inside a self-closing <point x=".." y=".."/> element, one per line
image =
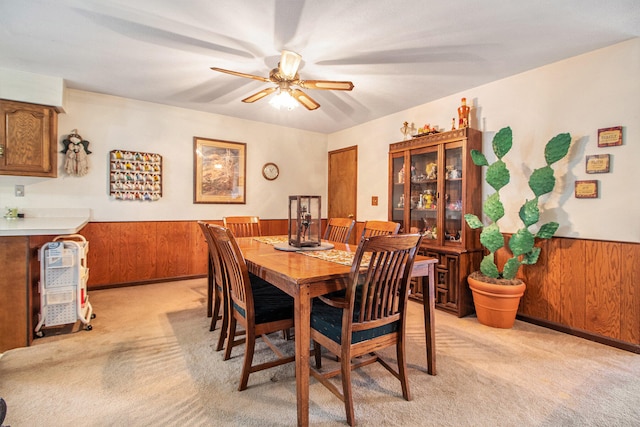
<point x="453" y="197"/>
<point x="423" y="193"/>
<point x="398" y="178"/>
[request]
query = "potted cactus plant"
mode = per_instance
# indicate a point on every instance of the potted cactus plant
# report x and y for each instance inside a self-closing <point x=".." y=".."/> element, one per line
<point x="490" y="285"/>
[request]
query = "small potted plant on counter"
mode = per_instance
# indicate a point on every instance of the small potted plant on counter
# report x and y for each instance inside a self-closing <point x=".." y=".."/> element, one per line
<point x="496" y="294"/>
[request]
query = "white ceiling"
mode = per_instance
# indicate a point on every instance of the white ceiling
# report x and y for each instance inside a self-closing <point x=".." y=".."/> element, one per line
<point x="398" y="54"/>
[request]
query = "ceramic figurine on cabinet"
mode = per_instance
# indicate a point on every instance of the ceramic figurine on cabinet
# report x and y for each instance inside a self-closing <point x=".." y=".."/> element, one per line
<point x="428" y="200"/>
<point x="452" y="172"/>
<point x="449" y="170"/>
<point x="401" y="176"/>
<point x="407" y="130"/>
<point x="463" y="114"/>
<point x="431" y="171"/>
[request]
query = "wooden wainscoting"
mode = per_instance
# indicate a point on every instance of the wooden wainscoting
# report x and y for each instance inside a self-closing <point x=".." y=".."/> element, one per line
<point x="588" y="288"/>
<point x="131" y="253"/>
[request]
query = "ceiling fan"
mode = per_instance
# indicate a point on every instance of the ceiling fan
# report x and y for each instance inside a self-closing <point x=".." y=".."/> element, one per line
<point x="286" y="78"/>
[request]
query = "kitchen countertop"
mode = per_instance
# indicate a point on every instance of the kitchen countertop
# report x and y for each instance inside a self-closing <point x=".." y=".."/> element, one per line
<point x="44" y="222"/>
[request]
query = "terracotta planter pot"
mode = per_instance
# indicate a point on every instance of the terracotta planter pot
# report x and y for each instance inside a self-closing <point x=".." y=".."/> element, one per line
<point x="496" y="305"/>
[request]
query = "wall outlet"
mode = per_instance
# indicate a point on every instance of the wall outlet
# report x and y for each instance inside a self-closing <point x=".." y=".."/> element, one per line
<point x="19" y="191"/>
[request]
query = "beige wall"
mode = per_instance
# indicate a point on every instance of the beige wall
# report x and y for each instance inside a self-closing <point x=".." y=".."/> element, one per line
<point x="578" y="95"/>
<point x="110" y="123"/>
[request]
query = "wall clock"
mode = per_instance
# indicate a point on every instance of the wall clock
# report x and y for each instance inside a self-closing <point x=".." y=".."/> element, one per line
<point x="270" y="171"/>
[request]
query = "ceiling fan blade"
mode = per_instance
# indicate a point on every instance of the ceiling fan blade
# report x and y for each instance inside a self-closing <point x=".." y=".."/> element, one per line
<point x="236" y="73"/>
<point x="325" y="84"/>
<point x="289" y="63"/>
<point x="258" y="96"/>
<point x="304" y="99"/>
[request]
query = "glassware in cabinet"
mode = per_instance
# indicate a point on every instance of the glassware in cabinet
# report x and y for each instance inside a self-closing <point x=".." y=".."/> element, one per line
<point x="453" y="195"/>
<point x="423" y="210"/>
<point x="397" y="197"/>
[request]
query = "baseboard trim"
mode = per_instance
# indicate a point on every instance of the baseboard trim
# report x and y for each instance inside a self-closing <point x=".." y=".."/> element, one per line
<point x="612" y="342"/>
<point x="145" y="282"/>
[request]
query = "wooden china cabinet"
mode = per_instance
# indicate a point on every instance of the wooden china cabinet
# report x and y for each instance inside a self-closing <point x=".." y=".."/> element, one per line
<point x="432" y="184"/>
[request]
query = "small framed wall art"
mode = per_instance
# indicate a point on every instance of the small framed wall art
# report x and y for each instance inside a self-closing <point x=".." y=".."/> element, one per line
<point x="609" y="137"/>
<point x="135" y="175"/>
<point x="587" y="189"/>
<point x="598" y="163"/>
<point x="219" y="169"/>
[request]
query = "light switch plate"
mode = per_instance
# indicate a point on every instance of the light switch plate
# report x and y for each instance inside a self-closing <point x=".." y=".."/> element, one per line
<point x="374" y="200"/>
<point x="19" y="191"/>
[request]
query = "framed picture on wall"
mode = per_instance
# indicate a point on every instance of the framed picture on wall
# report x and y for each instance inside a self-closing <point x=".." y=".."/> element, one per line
<point x="598" y="163"/>
<point x="609" y="137"/>
<point x="587" y="189"/>
<point x="219" y="169"/>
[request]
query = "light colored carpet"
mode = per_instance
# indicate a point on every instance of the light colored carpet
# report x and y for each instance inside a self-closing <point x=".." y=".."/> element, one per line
<point x="149" y="360"/>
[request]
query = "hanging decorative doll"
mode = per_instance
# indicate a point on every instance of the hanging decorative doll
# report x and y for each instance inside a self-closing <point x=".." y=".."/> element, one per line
<point x="76" y="150"/>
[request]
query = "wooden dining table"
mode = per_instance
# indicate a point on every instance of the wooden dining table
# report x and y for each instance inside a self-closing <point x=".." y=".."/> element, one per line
<point x="305" y="277"/>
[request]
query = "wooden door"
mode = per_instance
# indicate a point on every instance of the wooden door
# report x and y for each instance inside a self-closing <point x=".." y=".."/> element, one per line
<point x="343" y="185"/>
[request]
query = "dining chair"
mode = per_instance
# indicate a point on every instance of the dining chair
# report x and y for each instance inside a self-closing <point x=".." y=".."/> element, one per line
<point x="220" y="292"/>
<point x="243" y="226"/>
<point x="247" y="226"/>
<point x="339" y="229"/>
<point x="214" y="288"/>
<point x="370" y="317"/>
<point x="259" y="307"/>
<point x="378" y="228"/>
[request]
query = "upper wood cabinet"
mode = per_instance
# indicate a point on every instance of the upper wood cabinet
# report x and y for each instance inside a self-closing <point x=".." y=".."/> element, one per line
<point x="432" y="183"/>
<point x="28" y="136"/>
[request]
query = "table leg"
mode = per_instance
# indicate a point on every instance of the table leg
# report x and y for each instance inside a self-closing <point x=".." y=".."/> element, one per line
<point x="302" y="318"/>
<point x="429" y="305"/>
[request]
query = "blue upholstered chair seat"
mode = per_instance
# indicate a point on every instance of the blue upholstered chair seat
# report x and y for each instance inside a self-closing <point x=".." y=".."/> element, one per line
<point x="328" y="321"/>
<point x="270" y="303"/>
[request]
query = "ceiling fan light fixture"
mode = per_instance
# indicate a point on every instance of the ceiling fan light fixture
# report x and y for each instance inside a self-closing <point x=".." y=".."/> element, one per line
<point x="289" y="63"/>
<point x="283" y="100"/>
<point x="286" y="77"/>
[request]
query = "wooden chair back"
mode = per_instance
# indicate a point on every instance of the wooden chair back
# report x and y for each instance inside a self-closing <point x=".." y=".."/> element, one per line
<point x="379" y="228"/>
<point x="339" y="229"/>
<point x="235" y="268"/>
<point x="218" y="292"/>
<point x="383" y="288"/>
<point x="243" y="226"/>
<point x="210" y="272"/>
